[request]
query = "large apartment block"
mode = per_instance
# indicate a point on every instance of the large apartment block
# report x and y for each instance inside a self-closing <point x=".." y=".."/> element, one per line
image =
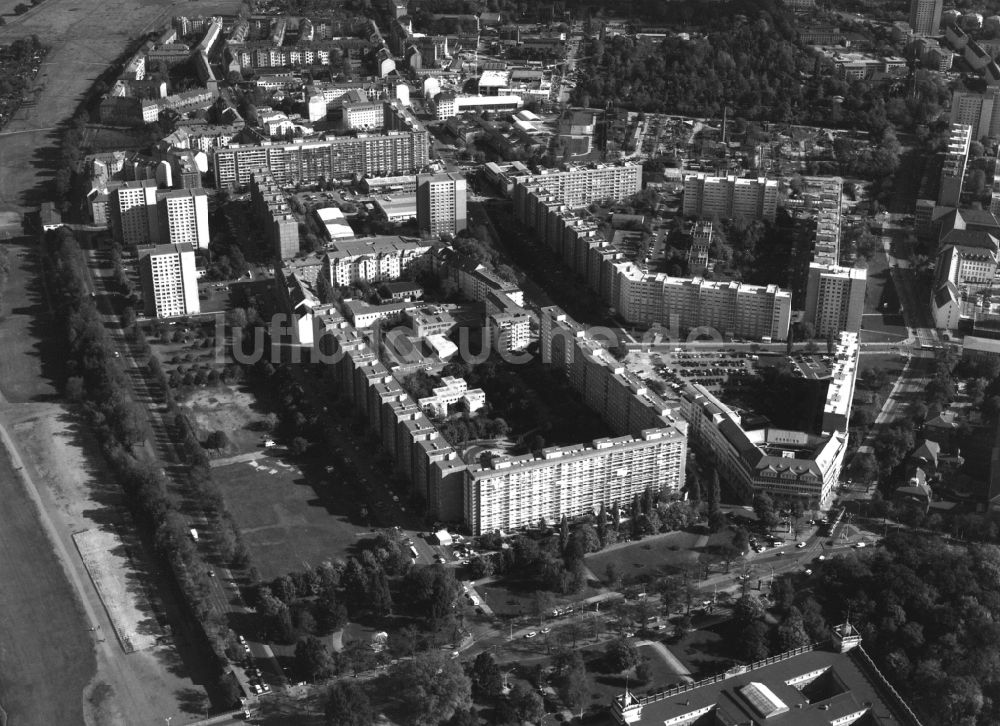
<point x="730" y="308"/>
<point x="507" y="321"/>
<point x="183" y="215"/>
<point x="372" y="259"/>
<point x="141" y="214"/>
<point x="272" y="212"/>
<point x="401" y="148"/>
<point x="925" y="16"/>
<point x="585" y="184"/>
<point x="953" y="168"/>
<point x="730" y="197"/>
<point x="980" y="111"/>
<point x="441" y="203"/>
<point x="134" y="213"/>
<point x="169" y="280"/>
<point x="572" y="480"/>
<point x="646" y="298"/>
<point x="835" y="298"/>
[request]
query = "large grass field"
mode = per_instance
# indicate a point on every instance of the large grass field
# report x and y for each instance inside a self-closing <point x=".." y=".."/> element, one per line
<point x="46" y="658"/>
<point x="654" y="557"/>
<point x="288" y="518"/>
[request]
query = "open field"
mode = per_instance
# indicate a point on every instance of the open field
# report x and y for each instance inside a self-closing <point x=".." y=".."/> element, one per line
<point x="225" y="408"/>
<point x="47" y="656"/>
<point x="287" y="519"/>
<point x="107" y="561"/>
<point x="654" y="557"/>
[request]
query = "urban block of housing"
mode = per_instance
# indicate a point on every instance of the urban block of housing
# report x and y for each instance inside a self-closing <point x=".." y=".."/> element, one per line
<point x="550" y="203"/>
<point x="507" y="492"/>
<point x="155" y="202"/>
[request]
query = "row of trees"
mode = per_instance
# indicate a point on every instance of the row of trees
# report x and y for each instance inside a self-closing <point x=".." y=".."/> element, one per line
<point x="96" y="381"/>
<point x="379" y="582"/>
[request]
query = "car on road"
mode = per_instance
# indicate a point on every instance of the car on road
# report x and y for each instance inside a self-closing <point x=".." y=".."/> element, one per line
<point x="800" y="545"/>
<point x="861" y="545"/>
<point x="532" y="634"/>
<point x="808" y="571"/>
<point x="546" y="630"/>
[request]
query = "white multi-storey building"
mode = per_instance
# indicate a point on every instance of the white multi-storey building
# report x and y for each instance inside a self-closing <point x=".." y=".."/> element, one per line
<point x="584" y="184"/>
<point x="730" y="197"/>
<point x="372" y="259"/>
<point x="184" y="217"/>
<point x="452" y="391"/>
<point x="169" y="280"/>
<point x="515" y="492"/>
<point x="731" y="308"/>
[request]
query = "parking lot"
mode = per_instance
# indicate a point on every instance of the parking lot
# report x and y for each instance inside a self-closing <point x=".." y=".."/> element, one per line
<point x="714" y="370"/>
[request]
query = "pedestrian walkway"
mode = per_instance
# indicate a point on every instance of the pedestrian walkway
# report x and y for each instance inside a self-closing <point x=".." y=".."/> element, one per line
<point x="238" y="459"/>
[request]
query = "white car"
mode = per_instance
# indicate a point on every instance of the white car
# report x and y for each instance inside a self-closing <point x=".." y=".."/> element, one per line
<point x="532" y="634"/>
<point x="800" y="545"/>
<point x="861" y="545"/>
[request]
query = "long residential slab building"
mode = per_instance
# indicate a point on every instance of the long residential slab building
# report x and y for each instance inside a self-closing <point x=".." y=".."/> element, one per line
<point x="640" y="296"/>
<point x="401" y="148"/>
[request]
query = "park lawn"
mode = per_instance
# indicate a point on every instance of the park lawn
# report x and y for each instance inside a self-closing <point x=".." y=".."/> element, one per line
<point x="290" y="519"/>
<point x="655" y="556"/>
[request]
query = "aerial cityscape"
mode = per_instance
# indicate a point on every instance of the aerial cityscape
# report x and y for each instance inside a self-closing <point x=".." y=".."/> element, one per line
<point x="495" y="363"/>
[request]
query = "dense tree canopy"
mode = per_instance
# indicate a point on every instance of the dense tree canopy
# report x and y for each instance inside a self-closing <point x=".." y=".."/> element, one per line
<point x="750" y="61"/>
<point x="926" y="610"/>
<point x="432" y="687"/>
